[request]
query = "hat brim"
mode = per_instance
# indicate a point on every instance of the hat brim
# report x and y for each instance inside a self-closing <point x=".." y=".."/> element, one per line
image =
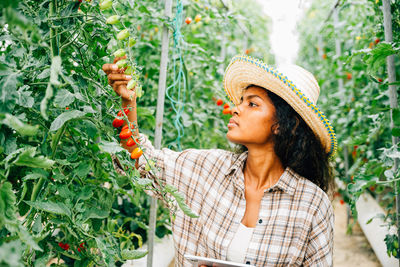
<point x="244" y="70"/>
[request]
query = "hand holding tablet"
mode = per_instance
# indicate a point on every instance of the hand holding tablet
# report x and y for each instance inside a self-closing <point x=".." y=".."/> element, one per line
<point x="209" y="262"/>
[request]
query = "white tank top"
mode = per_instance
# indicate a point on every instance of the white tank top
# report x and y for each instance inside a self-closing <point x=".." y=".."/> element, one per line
<point x="239" y="244"/>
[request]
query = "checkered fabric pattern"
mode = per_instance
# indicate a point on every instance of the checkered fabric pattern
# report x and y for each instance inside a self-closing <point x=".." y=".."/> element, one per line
<point x="296" y="219"/>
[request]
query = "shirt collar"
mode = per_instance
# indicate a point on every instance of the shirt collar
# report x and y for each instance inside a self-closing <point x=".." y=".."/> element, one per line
<point x="287" y="182"/>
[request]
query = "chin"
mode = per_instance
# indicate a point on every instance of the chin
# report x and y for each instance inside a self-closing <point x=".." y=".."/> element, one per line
<point x="233" y="138"/>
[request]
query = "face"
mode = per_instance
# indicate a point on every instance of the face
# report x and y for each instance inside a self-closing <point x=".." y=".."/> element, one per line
<point x="252" y="119"/>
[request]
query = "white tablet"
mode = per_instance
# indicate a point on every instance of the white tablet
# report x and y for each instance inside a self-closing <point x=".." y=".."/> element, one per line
<point x="198" y="261"/>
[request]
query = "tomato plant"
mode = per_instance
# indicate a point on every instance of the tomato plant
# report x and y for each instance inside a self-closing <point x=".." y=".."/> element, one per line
<point x="68" y="190"/>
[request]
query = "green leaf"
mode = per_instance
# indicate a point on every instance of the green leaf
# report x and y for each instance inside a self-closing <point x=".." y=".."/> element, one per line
<point x="132" y="254"/>
<point x="55" y="70"/>
<point x="95" y="213"/>
<point x="51" y="207"/>
<point x="11" y="253"/>
<point x="25" y="99"/>
<point x="143" y="9"/>
<point x="396" y="131"/>
<point x="8" y="211"/>
<point x="63" y="98"/>
<point x="106" y="250"/>
<point x="21" y="127"/>
<point x="27" y="158"/>
<point x="8" y="91"/>
<point x="64" y="117"/>
<point x="181" y="201"/>
<point x="27" y="238"/>
<point x="378" y="56"/>
<point x="110" y="147"/>
<point x="35" y="175"/>
<point x="144" y="181"/>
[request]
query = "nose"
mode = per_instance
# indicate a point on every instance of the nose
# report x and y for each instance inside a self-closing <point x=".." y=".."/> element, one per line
<point x="235" y="110"/>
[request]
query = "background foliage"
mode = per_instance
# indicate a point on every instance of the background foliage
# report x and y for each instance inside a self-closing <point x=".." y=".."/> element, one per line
<point x="360" y="111"/>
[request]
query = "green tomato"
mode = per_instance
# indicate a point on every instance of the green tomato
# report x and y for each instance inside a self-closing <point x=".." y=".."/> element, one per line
<point x="396" y="244"/>
<point x="112" y="20"/>
<point x="106" y="4"/>
<point x="139" y="90"/>
<point x="131" y="42"/>
<point x="131" y="84"/>
<point x="130" y="71"/>
<point x="119" y="53"/>
<point x="394" y="252"/>
<point x="121" y="63"/>
<point x="123" y="34"/>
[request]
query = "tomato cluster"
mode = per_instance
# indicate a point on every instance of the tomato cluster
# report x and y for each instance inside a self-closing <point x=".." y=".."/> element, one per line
<point x="126" y="41"/>
<point x="126" y="133"/>
<point x="227" y="109"/>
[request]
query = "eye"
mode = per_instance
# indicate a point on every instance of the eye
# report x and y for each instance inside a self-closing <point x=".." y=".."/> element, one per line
<point x="251" y="104"/>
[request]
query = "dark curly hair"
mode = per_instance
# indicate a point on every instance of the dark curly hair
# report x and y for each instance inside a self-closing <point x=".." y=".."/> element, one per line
<point x="297" y="146"/>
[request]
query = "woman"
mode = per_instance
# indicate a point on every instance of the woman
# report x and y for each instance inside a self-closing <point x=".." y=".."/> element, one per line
<point x="265" y="206"/>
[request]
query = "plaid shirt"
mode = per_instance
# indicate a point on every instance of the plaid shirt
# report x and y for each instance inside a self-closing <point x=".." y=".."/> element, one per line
<point x="295" y="226"/>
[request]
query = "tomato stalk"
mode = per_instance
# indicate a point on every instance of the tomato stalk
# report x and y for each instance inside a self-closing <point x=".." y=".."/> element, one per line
<point x="53" y="31"/>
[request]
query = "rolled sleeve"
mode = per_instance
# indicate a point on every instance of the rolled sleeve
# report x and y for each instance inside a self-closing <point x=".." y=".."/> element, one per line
<point x="163" y="158"/>
<point x="319" y="250"/>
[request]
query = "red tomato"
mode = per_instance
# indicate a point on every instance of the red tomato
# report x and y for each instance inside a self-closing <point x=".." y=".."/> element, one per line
<point x="226" y="111"/>
<point x="125" y="134"/>
<point x="126" y="127"/>
<point x="324" y="56"/>
<point x="188" y="20"/>
<point x="219" y="102"/>
<point x="136" y="153"/>
<point x="377" y="40"/>
<point x="349" y="76"/>
<point x="247" y="51"/>
<point x="380" y="80"/>
<point x="117" y="122"/>
<point x="130" y="142"/>
<point x="126" y="111"/>
<point x="226" y="106"/>
<point x="372" y="188"/>
<point x="341" y="202"/>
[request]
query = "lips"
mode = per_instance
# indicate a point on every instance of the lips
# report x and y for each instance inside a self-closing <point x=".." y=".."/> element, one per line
<point x="233" y="121"/>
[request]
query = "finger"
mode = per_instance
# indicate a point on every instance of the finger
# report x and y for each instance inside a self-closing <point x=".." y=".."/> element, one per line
<point x="119" y="77"/>
<point x="122" y="70"/>
<point x="121" y="90"/>
<point x="118" y="58"/>
<point x="108" y="68"/>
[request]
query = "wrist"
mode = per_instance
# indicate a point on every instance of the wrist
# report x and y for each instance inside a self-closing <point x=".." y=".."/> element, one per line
<point x="130" y="103"/>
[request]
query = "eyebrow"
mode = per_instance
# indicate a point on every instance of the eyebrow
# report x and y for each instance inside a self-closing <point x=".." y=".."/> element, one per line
<point x="252" y="96"/>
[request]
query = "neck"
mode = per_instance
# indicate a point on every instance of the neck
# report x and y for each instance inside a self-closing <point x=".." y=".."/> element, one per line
<point x="263" y="167"/>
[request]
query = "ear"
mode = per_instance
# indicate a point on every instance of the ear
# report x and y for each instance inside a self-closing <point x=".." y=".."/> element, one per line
<point x="275" y="129"/>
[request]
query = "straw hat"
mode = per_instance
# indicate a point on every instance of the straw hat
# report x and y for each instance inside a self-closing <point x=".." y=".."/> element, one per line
<point x="295" y="85"/>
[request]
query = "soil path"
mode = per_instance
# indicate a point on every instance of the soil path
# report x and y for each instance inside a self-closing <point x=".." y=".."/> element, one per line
<point x="350" y="250"/>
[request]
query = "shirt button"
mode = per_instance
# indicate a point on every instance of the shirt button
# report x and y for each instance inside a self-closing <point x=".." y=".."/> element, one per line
<point x="247" y="262"/>
<point x="259" y="221"/>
